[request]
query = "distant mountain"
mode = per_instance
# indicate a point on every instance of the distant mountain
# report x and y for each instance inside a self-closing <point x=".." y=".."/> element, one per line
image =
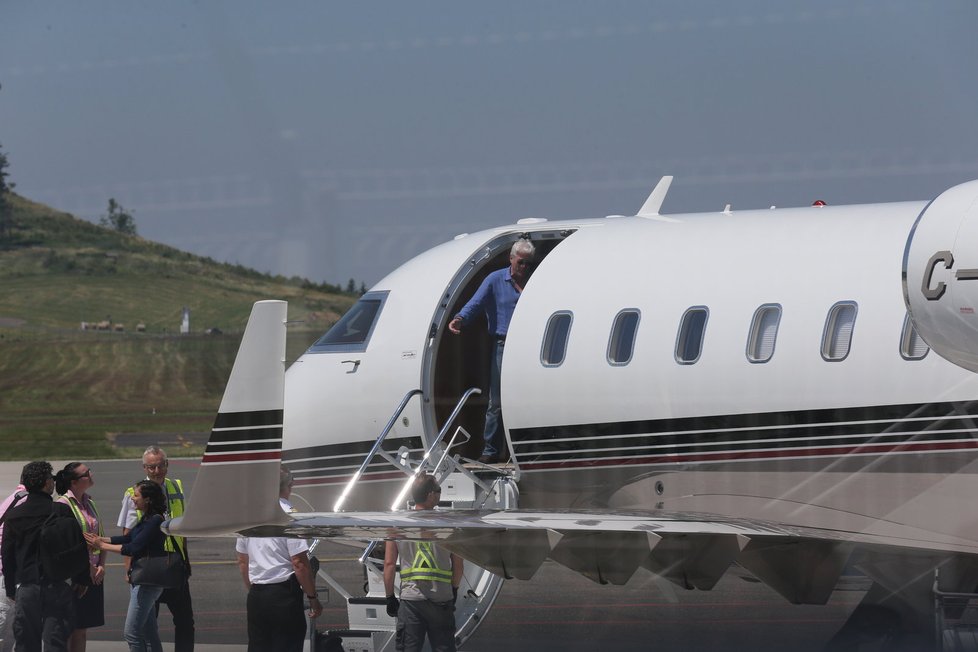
<point x="70" y="393"/>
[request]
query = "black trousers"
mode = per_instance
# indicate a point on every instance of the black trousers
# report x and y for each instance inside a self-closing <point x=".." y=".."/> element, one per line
<point x="276" y="620"/>
<point x="182" y="609"/>
<point x="43" y="614"/>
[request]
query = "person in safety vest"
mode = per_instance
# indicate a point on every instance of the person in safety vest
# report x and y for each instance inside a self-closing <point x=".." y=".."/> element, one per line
<point x="73" y="483"/>
<point x="155" y="464"/>
<point x="430" y="577"/>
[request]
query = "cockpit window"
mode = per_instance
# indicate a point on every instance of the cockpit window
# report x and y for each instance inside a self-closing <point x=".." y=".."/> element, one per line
<point x="352" y="332"/>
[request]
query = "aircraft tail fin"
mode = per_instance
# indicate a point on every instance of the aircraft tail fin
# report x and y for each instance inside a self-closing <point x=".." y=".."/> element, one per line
<point x="237" y="484"/>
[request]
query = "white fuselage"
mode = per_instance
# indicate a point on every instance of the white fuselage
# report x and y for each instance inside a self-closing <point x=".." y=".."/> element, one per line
<point x="862" y="442"/>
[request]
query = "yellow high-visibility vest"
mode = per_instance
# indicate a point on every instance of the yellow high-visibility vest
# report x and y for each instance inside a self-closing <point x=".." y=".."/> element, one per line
<point x="174" y="500"/>
<point x="425" y="566"/>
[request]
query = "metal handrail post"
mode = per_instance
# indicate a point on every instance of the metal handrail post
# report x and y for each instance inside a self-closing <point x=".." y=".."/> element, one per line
<point x="373" y="451"/>
<point x="458" y="408"/>
<point x="451" y="444"/>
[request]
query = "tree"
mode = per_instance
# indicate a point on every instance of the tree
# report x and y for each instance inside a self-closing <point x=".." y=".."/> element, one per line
<point x="351" y="286"/>
<point x="118" y="219"/>
<point x="5" y="208"/>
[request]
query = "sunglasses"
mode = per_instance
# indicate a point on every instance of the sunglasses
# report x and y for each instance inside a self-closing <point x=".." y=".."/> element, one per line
<point x="86" y="474"/>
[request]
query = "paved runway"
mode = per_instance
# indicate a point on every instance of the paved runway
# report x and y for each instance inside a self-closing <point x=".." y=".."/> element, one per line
<point x="557" y="610"/>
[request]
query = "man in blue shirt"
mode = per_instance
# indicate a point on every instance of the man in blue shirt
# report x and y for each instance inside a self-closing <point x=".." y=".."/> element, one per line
<point x="496" y="298"/>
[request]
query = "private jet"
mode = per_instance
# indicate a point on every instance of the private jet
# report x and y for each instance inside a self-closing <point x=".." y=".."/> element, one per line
<point x="787" y="392"/>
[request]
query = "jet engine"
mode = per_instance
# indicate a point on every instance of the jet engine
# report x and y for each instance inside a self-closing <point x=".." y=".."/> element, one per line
<point x="940" y="275"/>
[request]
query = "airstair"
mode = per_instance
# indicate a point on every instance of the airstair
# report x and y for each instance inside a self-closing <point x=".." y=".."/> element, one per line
<point x="955" y="620"/>
<point x="465" y="484"/>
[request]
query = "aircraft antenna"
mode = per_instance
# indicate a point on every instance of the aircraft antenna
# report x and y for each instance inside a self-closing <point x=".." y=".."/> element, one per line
<point x="652" y="205"/>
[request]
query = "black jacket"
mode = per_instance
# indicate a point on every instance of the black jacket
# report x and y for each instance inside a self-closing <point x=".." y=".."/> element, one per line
<point x="21" y="535"/>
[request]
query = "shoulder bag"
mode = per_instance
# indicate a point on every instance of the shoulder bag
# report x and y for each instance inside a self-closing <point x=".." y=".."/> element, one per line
<point x="167" y="570"/>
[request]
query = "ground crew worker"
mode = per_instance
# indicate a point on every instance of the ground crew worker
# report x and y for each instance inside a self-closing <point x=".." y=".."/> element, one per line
<point x="430" y="577"/>
<point x="156" y="464"/>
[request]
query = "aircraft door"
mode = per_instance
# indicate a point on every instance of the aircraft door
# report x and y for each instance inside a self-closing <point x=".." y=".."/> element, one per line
<point x="457" y="362"/>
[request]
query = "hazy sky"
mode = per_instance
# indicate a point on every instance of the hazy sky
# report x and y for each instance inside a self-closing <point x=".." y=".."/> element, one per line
<point x="337" y="140"/>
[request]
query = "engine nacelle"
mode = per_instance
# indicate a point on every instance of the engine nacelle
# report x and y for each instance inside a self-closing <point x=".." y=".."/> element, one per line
<point x="940" y="275"/>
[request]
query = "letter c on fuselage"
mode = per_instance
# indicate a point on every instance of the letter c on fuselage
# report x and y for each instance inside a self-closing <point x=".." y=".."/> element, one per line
<point x="936" y="292"/>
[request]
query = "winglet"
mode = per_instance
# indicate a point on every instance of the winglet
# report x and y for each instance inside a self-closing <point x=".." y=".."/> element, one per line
<point x="652" y="205"/>
<point x="237" y="484"/>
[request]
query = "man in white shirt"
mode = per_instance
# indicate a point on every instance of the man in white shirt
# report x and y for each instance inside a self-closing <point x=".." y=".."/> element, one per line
<point x="277" y="572"/>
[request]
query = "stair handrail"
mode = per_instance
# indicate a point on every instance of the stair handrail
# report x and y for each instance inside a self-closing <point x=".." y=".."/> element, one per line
<point x="448" y="423"/>
<point x="373" y="451"/>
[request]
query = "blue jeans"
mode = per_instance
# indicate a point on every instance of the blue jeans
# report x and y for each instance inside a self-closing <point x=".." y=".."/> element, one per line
<point x="141" y="631"/>
<point x="493" y="432"/>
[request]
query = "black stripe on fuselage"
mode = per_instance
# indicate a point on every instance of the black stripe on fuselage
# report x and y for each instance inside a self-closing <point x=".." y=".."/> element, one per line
<point x="354" y="448"/>
<point x="245" y="419"/>
<point x="778" y="424"/>
<point x="273" y="433"/>
<point x="235" y="432"/>
<point x="341" y="459"/>
<point x="750" y="434"/>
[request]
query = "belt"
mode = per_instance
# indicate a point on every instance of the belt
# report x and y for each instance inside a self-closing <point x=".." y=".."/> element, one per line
<point x="291" y="578"/>
<point x="500" y="338"/>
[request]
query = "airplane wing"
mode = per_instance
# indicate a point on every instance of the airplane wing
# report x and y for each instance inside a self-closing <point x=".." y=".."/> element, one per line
<point x="693" y="550"/>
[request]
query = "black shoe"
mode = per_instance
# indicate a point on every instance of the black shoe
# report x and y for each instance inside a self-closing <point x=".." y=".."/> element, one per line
<point x="488" y="459"/>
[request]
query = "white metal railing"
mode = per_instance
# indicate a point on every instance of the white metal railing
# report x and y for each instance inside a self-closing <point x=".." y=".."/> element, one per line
<point x="373" y="451"/>
<point x="437" y="440"/>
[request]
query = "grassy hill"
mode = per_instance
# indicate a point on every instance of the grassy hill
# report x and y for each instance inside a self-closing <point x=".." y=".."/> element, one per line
<point x="69" y="393"/>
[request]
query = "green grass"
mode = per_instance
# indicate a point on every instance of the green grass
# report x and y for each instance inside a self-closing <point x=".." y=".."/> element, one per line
<point x="69" y="396"/>
<point x="67" y="393"/>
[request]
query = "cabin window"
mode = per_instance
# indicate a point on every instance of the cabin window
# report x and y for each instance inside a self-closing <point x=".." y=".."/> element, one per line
<point x="352" y="332"/>
<point x="692" y="329"/>
<point x="837" y="336"/>
<point x="763" y="333"/>
<point x="555" y="339"/>
<point x="622" y="342"/>
<point x="912" y="345"/>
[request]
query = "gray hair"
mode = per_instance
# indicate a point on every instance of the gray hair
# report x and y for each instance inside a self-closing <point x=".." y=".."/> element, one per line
<point x="155" y="450"/>
<point x="523" y="246"/>
<point x="285" y="479"/>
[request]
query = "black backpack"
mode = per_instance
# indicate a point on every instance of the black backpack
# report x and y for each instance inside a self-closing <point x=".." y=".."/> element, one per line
<point x="63" y="549"/>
